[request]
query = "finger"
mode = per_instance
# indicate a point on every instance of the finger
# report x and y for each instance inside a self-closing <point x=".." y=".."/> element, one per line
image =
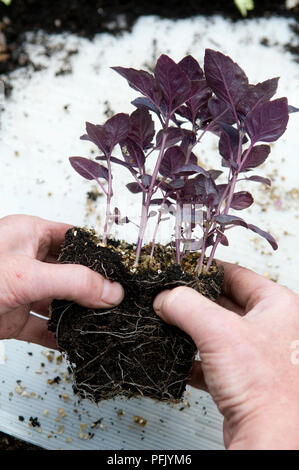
<point x="245" y="287"/>
<point x="35" y="281"/>
<point x="197" y="379"/>
<point x="229" y="304"/>
<point x="198" y="316"/>
<point x="51" y="238"/>
<point x="38" y="235"/>
<point x="36" y="331"/>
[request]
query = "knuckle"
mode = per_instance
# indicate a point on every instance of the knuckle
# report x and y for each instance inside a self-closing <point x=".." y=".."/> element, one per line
<point x="14" y="282"/>
<point x="174" y="297"/>
<point x="13" y="219"/>
<point x="90" y="282"/>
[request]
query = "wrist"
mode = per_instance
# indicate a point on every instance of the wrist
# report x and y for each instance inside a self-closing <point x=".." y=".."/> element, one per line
<point x="276" y="429"/>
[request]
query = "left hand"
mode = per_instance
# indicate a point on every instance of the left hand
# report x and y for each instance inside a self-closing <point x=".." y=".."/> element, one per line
<point x="30" y="278"/>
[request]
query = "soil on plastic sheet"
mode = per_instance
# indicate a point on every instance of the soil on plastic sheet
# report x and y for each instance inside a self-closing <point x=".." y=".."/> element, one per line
<point x="128" y="350"/>
<point x="8" y="442"/>
<point x="87" y="17"/>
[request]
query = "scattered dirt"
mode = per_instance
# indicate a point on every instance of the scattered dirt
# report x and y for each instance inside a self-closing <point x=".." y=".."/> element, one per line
<point x="128" y="350"/>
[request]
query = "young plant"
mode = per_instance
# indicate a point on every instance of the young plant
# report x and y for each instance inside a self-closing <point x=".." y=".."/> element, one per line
<point x="244" y="6"/>
<point x="186" y="102"/>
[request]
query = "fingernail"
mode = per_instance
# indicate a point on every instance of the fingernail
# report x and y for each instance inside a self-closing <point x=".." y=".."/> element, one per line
<point x="158" y="302"/>
<point x="113" y="293"/>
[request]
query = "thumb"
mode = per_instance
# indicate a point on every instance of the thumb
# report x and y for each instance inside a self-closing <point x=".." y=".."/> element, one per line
<point x="198" y="316"/>
<point x="35" y="281"/>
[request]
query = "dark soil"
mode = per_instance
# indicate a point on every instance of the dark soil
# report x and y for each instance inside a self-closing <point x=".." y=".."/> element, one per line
<point x="8" y="442"/>
<point x="128" y="350"/>
<point x="88" y="17"/>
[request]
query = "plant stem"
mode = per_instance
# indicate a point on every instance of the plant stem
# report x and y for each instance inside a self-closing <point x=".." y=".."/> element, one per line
<point x="199" y="265"/>
<point x="148" y="196"/>
<point x="177" y="232"/>
<point x="212" y="254"/>
<point x="108" y="201"/>
<point x="228" y="194"/>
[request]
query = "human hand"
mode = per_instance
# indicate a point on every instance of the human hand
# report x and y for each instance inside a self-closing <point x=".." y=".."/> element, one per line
<point x="245" y="344"/>
<point x="30" y="279"/>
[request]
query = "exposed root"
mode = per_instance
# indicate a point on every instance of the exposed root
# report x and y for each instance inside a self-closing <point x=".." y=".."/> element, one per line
<point x="127" y="350"/>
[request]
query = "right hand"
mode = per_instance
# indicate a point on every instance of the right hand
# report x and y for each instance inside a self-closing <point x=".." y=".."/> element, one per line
<point x="245" y="343"/>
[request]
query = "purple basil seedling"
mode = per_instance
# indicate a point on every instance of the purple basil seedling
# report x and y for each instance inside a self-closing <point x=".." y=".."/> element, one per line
<point x="187" y="102"/>
<point x="127" y="350"/>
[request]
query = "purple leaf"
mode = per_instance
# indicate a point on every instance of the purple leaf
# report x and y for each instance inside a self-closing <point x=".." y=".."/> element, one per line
<point x="142" y="128"/>
<point x="229" y="164"/>
<point x="119" y="162"/>
<point x="227" y="80"/>
<point x="174" y="135"/>
<point x="188" y="192"/>
<point x="191" y="67"/>
<point x="116" y="128"/>
<point x="232" y="132"/>
<point x="89" y="169"/>
<point x="256" y="157"/>
<point x="96" y="135"/>
<point x="229" y="144"/>
<point x="218" y="108"/>
<point x="198" y="95"/>
<point x="241" y="200"/>
<point x="214" y="174"/>
<point x="185" y="112"/>
<point x="173" y="158"/>
<point x="145" y="103"/>
<point x="141" y="81"/>
<point x="224" y="219"/>
<point x="200" y="99"/>
<point x="257" y="95"/>
<point x="292" y="109"/>
<point x="206" y="189"/>
<point x="134" y="188"/>
<point x="132" y="153"/>
<point x="267" y="122"/>
<point x="189" y="138"/>
<point x="178" y="183"/>
<point x="173" y="82"/>
<point x="190" y="168"/>
<point x="221" y="188"/>
<point x="118" y="219"/>
<point x="110" y="134"/>
<point x="264" y="234"/>
<point x="224" y="240"/>
<point x="259" y="179"/>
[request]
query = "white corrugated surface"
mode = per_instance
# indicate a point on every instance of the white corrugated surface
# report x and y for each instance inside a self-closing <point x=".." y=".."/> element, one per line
<point x="37" y="136"/>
